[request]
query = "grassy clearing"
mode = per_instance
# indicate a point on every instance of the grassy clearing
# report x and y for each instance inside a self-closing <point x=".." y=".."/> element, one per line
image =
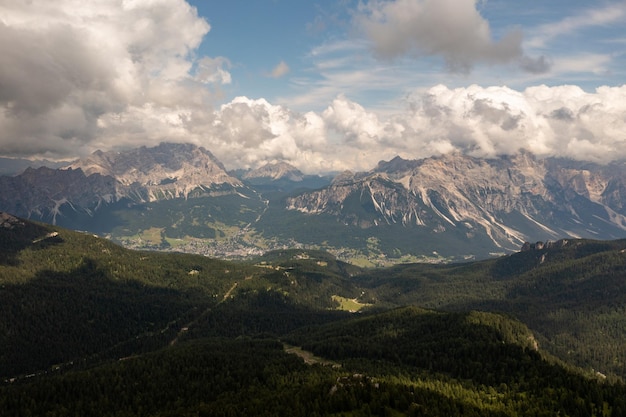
<point x="360" y="261"/>
<point x="151" y="236"/>
<point x="348" y="304"/>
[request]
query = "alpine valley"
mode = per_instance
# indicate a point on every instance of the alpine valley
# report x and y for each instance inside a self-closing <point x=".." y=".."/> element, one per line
<point x="180" y="197"/>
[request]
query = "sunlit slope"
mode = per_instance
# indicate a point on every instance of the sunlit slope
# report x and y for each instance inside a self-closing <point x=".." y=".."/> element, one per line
<point x="571" y="293"/>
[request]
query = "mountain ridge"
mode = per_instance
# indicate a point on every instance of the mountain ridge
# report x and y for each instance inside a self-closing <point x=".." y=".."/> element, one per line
<point x="458" y="191"/>
<point x="275" y="171"/>
<point x="166" y="171"/>
<point x="450" y="206"/>
<point x="169" y="170"/>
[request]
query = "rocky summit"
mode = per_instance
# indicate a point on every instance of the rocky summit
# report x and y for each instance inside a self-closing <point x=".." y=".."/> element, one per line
<point x="168" y="170"/>
<point x="275" y="171"/>
<point x="8" y="221"/>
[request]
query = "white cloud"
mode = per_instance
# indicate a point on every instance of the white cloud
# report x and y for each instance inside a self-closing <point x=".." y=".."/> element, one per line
<point x="548" y="121"/>
<point x="544" y="120"/>
<point x="595" y="16"/>
<point x="357" y="126"/>
<point x="76" y="75"/>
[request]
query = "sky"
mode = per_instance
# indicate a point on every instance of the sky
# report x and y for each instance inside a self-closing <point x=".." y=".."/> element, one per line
<point x="324" y="85"/>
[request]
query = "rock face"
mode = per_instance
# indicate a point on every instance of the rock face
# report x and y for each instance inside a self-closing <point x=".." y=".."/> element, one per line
<point x="42" y="193"/>
<point x="165" y="171"/>
<point x="527" y="246"/>
<point x="141" y="175"/>
<point x="511" y="199"/>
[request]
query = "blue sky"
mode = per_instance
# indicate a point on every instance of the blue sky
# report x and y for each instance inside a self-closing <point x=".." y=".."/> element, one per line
<point x="257" y="36"/>
<point x="583" y="43"/>
<point x="323" y="85"/>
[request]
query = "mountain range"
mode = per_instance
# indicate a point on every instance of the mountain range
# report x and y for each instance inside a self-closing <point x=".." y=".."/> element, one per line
<point x="509" y="199"/>
<point x="449" y="207"/>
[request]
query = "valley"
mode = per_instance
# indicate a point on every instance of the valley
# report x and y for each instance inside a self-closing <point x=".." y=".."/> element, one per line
<point x="449" y="208"/>
<point x="449" y="286"/>
<point x="355" y="208"/>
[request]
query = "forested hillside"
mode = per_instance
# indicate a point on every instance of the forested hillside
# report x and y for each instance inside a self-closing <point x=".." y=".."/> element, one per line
<point x="572" y="294"/>
<point x="90" y="328"/>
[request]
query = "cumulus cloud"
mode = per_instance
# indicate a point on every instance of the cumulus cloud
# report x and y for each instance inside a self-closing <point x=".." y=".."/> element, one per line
<point x="484" y="122"/>
<point x="248" y="133"/>
<point x="74" y="74"/>
<point x="452" y="29"/>
<point x="548" y="121"/>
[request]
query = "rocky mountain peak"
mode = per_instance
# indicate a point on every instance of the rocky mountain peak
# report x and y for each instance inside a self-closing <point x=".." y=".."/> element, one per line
<point x="168" y="170"/>
<point x="507" y="200"/>
<point x="144" y="174"/>
<point x="343" y="178"/>
<point x="397" y="164"/>
<point x="148" y="166"/>
<point x="276" y="171"/>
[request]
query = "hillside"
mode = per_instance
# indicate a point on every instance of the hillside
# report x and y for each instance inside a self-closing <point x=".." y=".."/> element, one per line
<point x="90" y="328"/>
<point x="572" y="293"/>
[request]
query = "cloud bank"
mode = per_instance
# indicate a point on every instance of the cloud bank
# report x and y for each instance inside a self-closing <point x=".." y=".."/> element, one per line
<point x="484" y="122"/>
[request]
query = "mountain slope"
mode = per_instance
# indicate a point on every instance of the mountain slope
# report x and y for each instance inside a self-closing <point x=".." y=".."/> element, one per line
<point x="71" y="196"/>
<point x="67" y="295"/>
<point x="418" y="363"/>
<point x="56" y="195"/>
<point x="163" y="172"/>
<point x="571" y="293"/>
<point x="493" y="204"/>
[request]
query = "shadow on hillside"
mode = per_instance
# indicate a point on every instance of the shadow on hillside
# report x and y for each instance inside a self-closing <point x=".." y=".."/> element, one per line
<point x="58" y="317"/>
<point x="20" y="236"/>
